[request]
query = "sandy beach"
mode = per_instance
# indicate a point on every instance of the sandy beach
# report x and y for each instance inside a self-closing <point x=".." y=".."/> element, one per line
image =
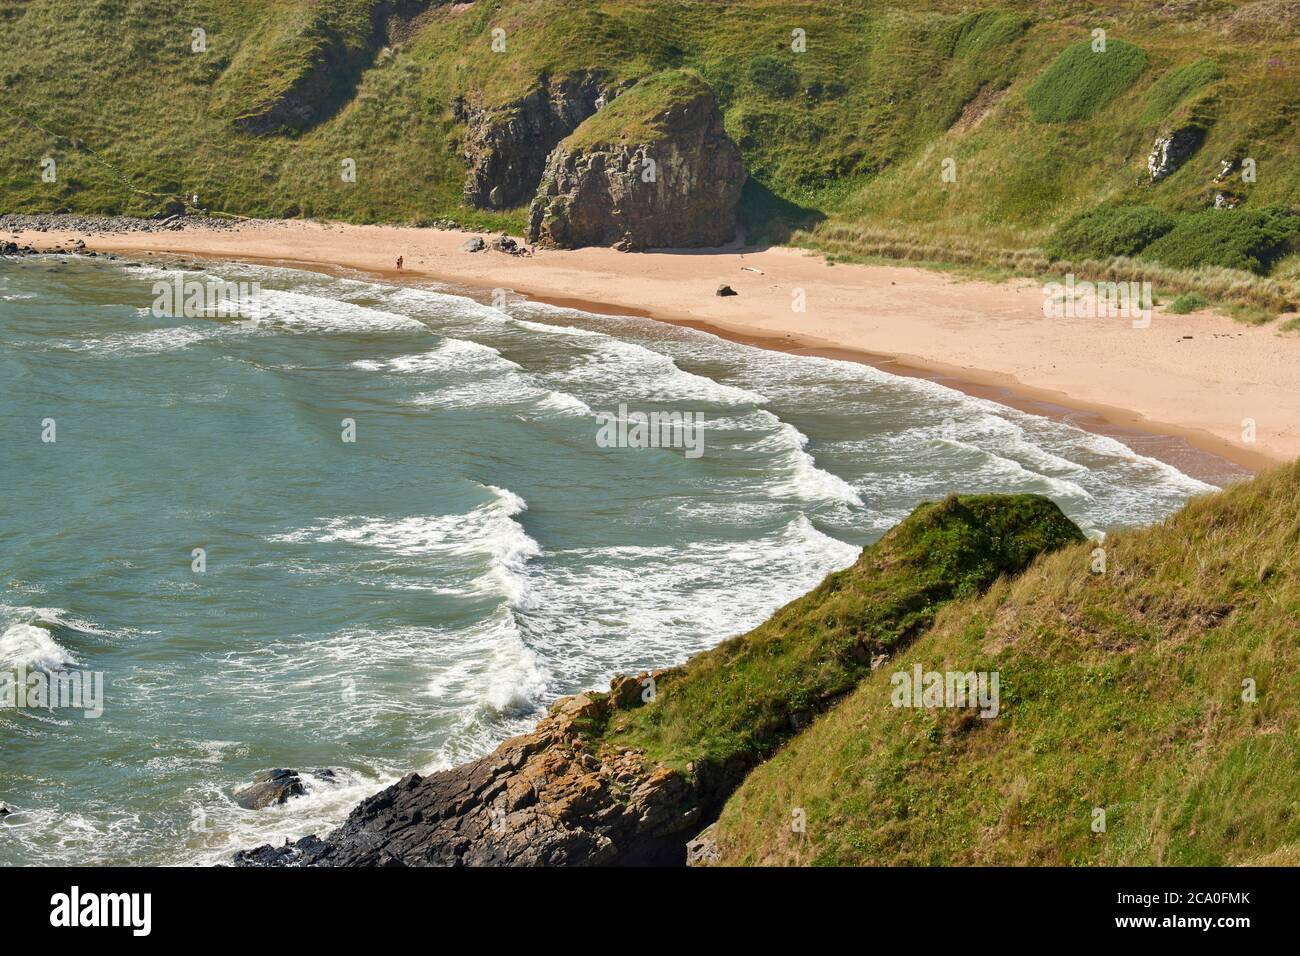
<point x="1179" y="390"/>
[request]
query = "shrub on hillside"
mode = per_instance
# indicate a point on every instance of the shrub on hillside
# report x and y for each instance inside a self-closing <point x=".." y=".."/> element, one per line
<point x="773" y="77"/>
<point x="1080" y="81"/>
<point x="1108" y="231"/>
<point x="1250" y="239"/>
<point x="1171" y="88"/>
<point x="976" y="33"/>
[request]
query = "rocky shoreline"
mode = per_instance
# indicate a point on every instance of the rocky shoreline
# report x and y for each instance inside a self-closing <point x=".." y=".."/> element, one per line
<point x="546" y="798"/>
<point x="15" y="223"/>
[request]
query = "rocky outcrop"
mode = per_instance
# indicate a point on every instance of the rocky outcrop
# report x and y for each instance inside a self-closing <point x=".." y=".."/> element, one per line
<point x="654" y="169"/>
<point x="271" y="788"/>
<point x="703" y="850"/>
<point x="506" y="147"/>
<point x="1171" y="151"/>
<point x="547" y="798"/>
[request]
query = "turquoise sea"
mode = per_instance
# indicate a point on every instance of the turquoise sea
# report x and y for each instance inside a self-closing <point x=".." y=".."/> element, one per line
<point x="405" y="600"/>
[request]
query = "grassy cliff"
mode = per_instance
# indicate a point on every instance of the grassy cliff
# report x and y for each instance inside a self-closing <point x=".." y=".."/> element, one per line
<point x="1163" y="691"/>
<point x="733" y="704"/>
<point x="940" y="131"/>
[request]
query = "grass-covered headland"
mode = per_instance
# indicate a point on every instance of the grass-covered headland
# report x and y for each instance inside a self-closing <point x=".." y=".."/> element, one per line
<point x="974" y="133"/>
<point x="1146" y="695"/>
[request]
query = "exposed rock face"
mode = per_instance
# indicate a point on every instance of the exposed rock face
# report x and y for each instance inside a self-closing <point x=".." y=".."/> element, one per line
<point x="506" y="148"/>
<point x="1170" y="152"/>
<point x="540" y="799"/>
<point x="678" y="186"/>
<point x="703" y="850"/>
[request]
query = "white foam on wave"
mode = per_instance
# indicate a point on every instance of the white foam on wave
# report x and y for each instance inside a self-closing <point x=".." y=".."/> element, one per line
<point x="635" y="371"/>
<point x="490" y="667"/>
<point x="507" y="390"/>
<point x="300" y="312"/>
<point x="488" y="531"/>
<point x="441" y="305"/>
<point x="564" y="403"/>
<point x="32" y="647"/>
<point x="795" y="472"/>
<point x="152" y="341"/>
<point x="607" y="609"/>
<point x="450" y="355"/>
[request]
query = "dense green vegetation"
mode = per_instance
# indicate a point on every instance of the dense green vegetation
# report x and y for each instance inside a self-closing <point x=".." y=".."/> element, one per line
<point x="848" y="139"/>
<point x="1188" y="302"/>
<point x="1083" y="80"/>
<point x="638" y="115"/>
<point x="1109" y="231"/>
<point x="1162" y="690"/>
<point x="1248" y="239"/>
<point x="1176" y="85"/>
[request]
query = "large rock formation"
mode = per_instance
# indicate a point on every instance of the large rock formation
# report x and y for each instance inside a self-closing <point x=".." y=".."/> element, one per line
<point x="653" y="169"/>
<point x="506" y="147"/>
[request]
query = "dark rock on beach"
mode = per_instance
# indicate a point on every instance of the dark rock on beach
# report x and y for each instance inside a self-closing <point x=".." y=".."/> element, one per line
<point x="540" y="799"/>
<point x="726" y="290"/>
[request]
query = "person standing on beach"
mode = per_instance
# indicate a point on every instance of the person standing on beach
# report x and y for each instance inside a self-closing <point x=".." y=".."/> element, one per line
<point x="399" y="263"/>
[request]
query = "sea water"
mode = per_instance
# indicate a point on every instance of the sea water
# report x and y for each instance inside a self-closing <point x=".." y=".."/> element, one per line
<point x="404" y="596"/>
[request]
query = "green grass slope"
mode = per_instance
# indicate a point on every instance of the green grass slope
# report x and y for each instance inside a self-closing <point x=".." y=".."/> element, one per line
<point x="638" y="116"/>
<point x="847" y="114"/>
<point x="729" y="706"/>
<point x="1125" y="691"/>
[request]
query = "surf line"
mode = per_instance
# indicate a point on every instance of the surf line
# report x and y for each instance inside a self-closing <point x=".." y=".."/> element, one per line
<point x="684" y="430"/>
